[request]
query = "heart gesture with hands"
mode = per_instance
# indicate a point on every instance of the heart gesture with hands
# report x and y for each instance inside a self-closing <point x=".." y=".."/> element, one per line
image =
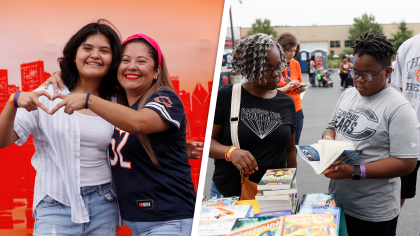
<point x="71" y="102"/>
<point x="30" y="100"/>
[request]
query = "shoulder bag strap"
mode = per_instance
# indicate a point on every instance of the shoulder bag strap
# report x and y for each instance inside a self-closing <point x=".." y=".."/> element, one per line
<point x="234" y="113"/>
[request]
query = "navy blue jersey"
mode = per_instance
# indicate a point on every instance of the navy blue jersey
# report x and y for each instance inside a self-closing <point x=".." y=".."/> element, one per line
<point x="149" y="192"/>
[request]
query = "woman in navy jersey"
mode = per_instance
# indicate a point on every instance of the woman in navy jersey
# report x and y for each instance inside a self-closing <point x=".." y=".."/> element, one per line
<point x="147" y="152"/>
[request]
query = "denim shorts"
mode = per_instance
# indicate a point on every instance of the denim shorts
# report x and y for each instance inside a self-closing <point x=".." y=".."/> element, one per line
<point x="172" y="227"/>
<point x="54" y="218"/>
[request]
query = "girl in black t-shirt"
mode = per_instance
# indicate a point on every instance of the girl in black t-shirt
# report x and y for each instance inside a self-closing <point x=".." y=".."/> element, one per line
<point x="266" y="129"/>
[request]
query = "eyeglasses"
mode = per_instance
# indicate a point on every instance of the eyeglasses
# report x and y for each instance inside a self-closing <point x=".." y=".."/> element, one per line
<point x="365" y="76"/>
<point x="279" y="69"/>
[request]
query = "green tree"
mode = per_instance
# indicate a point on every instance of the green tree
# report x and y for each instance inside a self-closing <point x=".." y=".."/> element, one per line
<point x="362" y="25"/>
<point x="402" y="34"/>
<point x="263" y="27"/>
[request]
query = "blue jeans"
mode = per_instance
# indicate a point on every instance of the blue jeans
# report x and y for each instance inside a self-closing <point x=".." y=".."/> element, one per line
<point x="54" y="218"/>
<point x="171" y="227"/>
<point x="214" y="193"/>
<point x="299" y="125"/>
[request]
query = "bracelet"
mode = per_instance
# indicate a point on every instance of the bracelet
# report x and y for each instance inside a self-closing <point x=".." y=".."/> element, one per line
<point x="327" y="136"/>
<point x="11" y="99"/>
<point x="363" y="171"/>
<point x="15" y="97"/>
<point x="87" y="98"/>
<point x="228" y="152"/>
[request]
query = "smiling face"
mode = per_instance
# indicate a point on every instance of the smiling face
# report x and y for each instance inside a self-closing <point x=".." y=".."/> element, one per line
<point x="273" y="60"/>
<point x="368" y="64"/>
<point x="136" y="71"/>
<point x="290" y="53"/>
<point x="94" y="57"/>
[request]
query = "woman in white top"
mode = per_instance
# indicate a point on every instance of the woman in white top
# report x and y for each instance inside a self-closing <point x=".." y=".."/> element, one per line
<point x="72" y="193"/>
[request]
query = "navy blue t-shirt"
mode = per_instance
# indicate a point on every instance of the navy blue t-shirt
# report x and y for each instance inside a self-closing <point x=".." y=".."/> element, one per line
<point x="148" y="192"/>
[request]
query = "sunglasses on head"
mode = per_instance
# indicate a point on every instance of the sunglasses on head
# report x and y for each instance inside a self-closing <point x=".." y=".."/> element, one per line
<point x="366" y="76"/>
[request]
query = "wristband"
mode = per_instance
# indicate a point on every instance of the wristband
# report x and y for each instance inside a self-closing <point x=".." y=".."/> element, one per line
<point x="11" y="99"/>
<point x="15" y="97"/>
<point x="228" y="152"/>
<point x="87" y="98"/>
<point x="363" y="171"/>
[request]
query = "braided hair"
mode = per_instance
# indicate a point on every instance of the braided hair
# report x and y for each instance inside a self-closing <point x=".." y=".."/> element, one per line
<point x="249" y="58"/>
<point x="376" y="45"/>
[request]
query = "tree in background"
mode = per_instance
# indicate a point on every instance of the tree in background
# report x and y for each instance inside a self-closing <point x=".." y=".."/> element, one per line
<point x="263" y="27"/>
<point x="402" y="34"/>
<point x="362" y="25"/>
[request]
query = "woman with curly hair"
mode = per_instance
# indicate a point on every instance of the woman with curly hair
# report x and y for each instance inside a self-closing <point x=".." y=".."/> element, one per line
<point x="266" y="126"/>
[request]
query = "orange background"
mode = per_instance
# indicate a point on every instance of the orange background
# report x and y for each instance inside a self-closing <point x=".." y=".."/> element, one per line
<point x="187" y="31"/>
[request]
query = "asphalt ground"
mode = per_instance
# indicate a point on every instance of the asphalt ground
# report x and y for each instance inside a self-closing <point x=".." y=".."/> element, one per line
<point x="318" y="105"/>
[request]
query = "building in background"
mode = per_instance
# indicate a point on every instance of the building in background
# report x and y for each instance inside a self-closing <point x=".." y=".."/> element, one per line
<point x="328" y="39"/>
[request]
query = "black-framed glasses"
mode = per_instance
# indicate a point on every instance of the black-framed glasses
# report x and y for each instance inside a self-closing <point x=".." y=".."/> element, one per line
<point x="366" y="76"/>
<point x="279" y="69"/>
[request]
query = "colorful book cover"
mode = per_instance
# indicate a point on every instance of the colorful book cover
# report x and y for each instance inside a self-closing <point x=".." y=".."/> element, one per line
<point x="293" y="189"/>
<point x="258" y="226"/>
<point x="254" y="203"/>
<point x="277" y="179"/>
<point x="217" y="213"/>
<point x="335" y="211"/>
<point x="318" y="200"/>
<point x="309" y="225"/>
<point x="215" y="227"/>
<point x="274" y="213"/>
<point x="218" y="202"/>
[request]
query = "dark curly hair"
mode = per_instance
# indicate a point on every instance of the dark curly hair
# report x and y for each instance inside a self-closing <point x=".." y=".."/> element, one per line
<point x="249" y="58"/>
<point x="376" y="45"/>
<point x="69" y="72"/>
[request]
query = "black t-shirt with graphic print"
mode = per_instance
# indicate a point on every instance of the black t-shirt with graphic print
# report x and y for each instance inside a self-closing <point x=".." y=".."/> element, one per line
<point x="264" y="129"/>
<point x="148" y="192"/>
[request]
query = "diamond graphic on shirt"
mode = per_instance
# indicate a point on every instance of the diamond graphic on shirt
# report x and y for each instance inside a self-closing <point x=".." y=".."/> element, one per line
<point x="261" y="122"/>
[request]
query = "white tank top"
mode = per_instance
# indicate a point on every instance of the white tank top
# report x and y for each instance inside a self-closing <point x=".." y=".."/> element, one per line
<point x="95" y="135"/>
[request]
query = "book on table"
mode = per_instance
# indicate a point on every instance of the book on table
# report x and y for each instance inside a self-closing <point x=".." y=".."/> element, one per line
<point x="218" y="202"/>
<point x="277" y="179"/>
<point x="215" y="227"/>
<point x="335" y="211"/>
<point x="226" y="212"/>
<point x="325" y="155"/>
<point x="309" y="224"/>
<point x="274" y="213"/>
<point x="318" y="200"/>
<point x="293" y="189"/>
<point x="256" y="226"/>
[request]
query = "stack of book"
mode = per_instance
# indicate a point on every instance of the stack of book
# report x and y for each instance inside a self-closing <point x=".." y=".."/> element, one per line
<point x="309" y="224"/>
<point x="277" y="190"/>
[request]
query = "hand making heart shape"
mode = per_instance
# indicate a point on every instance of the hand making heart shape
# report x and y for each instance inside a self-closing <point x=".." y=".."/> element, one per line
<point x="71" y="102"/>
<point x="30" y="101"/>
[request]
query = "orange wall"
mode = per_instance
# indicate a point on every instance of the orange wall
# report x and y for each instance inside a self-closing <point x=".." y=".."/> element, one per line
<point x="187" y="31"/>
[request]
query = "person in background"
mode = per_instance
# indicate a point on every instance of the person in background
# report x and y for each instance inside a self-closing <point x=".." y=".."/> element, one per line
<point x="291" y="78"/>
<point x="344" y="73"/>
<point x="318" y="62"/>
<point x="405" y="68"/>
<point x="259" y="59"/>
<point x="313" y="71"/>
<point x="379" y="121"/>
<point x="308" y="64"/>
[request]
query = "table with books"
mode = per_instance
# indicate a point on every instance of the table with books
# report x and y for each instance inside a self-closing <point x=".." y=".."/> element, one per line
<point x="275" y="211"/>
